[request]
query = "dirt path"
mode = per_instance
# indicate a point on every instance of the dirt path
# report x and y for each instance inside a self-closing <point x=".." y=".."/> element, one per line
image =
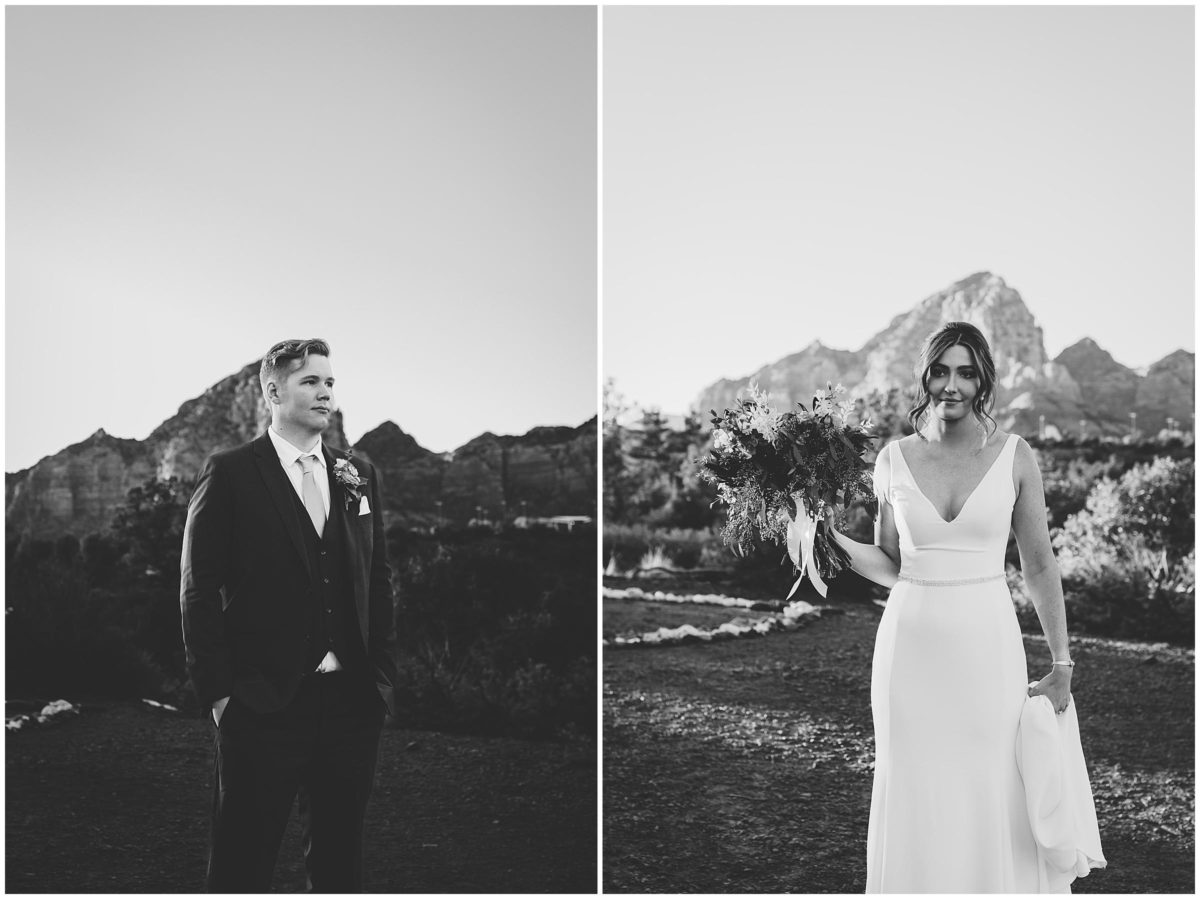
<point x="117" y="800"/>
<point x="745" y="766"/>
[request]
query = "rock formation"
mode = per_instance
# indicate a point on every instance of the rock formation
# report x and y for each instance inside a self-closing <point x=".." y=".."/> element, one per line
<point x="549" y="471"/>
<point x="412" y="475"/>
<point x="1108" y="390"/>
<point x="78" y="489"/>
<point x="1083" y="382"/>
<point x="1167" y="390"/>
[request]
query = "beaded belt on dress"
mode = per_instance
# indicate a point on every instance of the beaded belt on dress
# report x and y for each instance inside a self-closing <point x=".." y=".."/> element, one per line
<point x="955" y="582"/>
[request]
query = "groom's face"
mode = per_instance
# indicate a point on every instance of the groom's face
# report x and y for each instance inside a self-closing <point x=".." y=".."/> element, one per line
<point x="306" y="395"/>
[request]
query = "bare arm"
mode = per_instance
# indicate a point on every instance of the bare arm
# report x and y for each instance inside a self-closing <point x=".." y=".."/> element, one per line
<point x="1040" y="570"/>
<point x="881" y="562"/>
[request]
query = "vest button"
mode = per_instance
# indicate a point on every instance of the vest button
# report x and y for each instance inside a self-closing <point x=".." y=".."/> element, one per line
<point x="326" y="580"/>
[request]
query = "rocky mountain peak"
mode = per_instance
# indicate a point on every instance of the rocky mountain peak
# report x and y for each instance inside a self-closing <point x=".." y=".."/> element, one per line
<point x="390" y="440"/>
<point x="1178" y="358"/>
<point x="550" y="471"/>
<point x="983" y="300"/>
<point x="1086" y="355"/>
<point x="1107" y="389"/>
<point x="1167" y="391"/>
<point x="1084" y="382"/>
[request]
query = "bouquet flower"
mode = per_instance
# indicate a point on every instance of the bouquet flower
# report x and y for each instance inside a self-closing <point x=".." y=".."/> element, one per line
<point x="779" y="471"/>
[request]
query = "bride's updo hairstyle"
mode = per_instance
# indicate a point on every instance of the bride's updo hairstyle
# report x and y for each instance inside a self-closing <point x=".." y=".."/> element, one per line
<point x="964" y="335"/>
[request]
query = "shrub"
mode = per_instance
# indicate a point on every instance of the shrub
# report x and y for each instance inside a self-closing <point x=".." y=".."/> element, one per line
<point x="63" y="635"/>
<point x="627" y="545"/>
<point x="1067" y="487"/>
<point x="1128" y="559"/>
<point x="497" y="633"/>
<point x="1149" y="508"/>
<point x="1129" y="602"/>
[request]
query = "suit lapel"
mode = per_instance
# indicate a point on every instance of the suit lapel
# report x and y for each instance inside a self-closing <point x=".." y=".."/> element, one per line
<point x="281" y="492"/>
<point x="352" y="541"/>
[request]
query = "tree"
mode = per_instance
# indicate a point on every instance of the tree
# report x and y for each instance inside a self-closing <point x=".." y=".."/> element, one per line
<point x="1148" y="508"/>
<point x="150" y="526"/>
<point x="615" y="500"/>
<point x="888" y="412"/>
<point x="1128" y="558"/>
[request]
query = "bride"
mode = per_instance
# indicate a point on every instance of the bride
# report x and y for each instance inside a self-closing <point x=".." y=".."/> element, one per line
<point x="948" y="683"/>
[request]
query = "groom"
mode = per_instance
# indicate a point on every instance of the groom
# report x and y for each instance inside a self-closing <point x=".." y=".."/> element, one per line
<point x="288" y="629"/>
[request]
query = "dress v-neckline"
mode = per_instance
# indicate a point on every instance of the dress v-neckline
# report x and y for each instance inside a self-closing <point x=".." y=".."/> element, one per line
<point x="912" y="477"/>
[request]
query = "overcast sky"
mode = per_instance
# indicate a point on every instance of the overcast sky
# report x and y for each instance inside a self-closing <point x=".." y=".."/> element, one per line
<point x="188" y="185"/>
<point x="776" y="175"/>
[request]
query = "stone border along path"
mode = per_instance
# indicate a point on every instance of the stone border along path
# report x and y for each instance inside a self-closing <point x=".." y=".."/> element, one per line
<point x="793" y="616"/>
<point x="52" y="713"/>
<point x="708" y="599"/>
<point x="1122" y="796"/>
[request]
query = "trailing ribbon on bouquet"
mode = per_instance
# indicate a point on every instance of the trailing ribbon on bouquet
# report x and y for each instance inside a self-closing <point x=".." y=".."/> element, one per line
<point x="779" y="472"/>
<point x="801" y="536"/>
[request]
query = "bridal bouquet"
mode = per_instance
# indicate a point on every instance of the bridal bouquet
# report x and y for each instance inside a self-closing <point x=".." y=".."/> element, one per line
<point x="779" y="471"/>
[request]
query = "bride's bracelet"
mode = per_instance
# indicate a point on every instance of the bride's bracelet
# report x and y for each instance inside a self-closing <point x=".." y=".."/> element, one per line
<point x="1067" y="664"/>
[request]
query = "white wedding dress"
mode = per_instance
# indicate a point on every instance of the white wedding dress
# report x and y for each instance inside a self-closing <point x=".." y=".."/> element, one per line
<point x="948" y="685"/>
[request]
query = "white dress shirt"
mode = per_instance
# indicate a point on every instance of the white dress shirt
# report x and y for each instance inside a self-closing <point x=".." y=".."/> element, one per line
<point x="288" y="456"/>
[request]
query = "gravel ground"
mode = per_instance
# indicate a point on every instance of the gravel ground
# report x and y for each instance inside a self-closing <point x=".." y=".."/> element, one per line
<point x="745" y="766"/>
<point x="117" y="800"/>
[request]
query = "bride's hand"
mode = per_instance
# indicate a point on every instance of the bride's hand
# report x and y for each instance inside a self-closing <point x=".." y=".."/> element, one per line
<point x="830" y="516"/>
<point x="1055" y="686"/>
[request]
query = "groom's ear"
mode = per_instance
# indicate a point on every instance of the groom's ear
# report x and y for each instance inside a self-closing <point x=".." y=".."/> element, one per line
<point x="272" y="392"/>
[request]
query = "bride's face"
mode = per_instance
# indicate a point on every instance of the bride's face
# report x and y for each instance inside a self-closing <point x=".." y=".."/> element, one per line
<point x="953" y="383"/>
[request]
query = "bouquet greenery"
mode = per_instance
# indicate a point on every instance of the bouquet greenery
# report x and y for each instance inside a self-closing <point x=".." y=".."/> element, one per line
<point x="779" y="471"/>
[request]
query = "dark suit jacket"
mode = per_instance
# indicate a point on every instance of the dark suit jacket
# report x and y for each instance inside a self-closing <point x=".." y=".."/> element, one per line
<point x="246" y="587"/>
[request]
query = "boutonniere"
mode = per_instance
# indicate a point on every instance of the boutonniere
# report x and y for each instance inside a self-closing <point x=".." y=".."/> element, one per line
<point x="347" y="475"/>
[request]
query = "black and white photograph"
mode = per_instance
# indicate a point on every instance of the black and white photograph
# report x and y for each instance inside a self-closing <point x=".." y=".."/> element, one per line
<point x="301" y="449"/>
<point x="898" y="482"/>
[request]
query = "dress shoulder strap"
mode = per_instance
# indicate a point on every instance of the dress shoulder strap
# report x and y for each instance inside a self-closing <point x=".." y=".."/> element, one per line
<point x="1010" y="447"/>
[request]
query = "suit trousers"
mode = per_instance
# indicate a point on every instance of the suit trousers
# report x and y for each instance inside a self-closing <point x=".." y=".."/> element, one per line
<point x="323" y="746"/>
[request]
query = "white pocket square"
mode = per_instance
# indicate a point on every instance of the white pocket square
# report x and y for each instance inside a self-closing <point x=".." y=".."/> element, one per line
<point x="364" y="507"/>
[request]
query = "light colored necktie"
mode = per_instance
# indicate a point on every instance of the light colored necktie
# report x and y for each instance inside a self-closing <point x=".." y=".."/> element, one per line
<point x="316" y="511"/>
<point x="312" y="496"/>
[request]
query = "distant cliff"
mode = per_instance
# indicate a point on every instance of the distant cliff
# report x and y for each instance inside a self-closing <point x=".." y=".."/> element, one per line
<point x="1083" y="382"/>
<point x="549" y="471"/>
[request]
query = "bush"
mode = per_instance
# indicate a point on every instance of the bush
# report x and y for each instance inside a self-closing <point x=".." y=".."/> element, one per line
<point x="63" y="635"/>
<point x="1128" y="602"/>
<point x="102" y="615"/>
<point x="497" y="632"/>
<point x="627" y="545"/>
<point x="1128" y="558"/>
<point x="1067" y="487"/>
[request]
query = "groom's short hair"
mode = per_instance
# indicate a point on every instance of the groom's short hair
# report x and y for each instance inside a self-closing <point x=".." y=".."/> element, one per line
<point x="277" y="363"/>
